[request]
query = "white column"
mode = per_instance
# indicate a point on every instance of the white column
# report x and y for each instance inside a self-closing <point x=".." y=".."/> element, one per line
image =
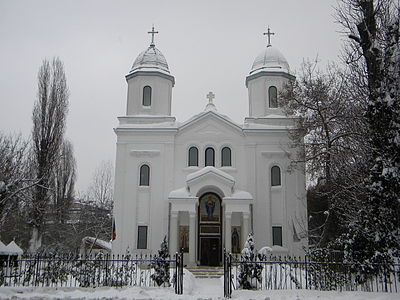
<point x="192" y="238"/>
<point x="245" y="227"/>
<point x="228" y="232"/>
<point x="173" y="247"/>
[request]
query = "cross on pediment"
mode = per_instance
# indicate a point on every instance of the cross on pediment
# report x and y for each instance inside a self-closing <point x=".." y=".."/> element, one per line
<point x="210" y="97"/>
<point x="269" y="33"/>
<point x="152" y="36"/>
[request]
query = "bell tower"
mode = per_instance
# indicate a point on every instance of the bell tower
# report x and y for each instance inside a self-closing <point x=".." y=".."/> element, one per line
<point x="150" y="83"/>
<point x="268" y="75"/>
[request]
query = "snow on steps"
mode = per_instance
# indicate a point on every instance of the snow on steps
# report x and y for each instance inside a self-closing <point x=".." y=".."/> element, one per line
<point x="206" y="272"/>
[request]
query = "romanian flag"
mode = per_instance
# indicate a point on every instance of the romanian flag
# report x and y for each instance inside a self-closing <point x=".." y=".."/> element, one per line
<point x="114" y="232"/>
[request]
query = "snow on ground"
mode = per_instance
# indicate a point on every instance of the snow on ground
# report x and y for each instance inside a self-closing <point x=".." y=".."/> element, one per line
<point x="194" y="289"/>
<point x="205" y="289"/>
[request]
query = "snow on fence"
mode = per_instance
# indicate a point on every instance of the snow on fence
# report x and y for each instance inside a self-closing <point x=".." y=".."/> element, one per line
<point x="90" y="271"/>
<point x="299" y="273"/>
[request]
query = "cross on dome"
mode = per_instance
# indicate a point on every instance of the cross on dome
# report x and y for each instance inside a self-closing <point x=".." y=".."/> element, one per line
<point x="269" y="33"/>
<point x="210" y="96"/>
<point x="152" y="36"/>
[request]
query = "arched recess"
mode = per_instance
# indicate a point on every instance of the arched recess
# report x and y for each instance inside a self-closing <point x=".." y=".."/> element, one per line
<point x="210" y="229"/>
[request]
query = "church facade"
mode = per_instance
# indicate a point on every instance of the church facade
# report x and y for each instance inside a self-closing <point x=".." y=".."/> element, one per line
<point x="208" y="182"/>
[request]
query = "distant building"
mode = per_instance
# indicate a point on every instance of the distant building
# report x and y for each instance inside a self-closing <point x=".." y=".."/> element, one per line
<point x="207" y="182"/>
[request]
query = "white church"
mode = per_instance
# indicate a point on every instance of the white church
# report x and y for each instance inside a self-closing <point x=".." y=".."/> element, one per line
<point x="208" y="182"/>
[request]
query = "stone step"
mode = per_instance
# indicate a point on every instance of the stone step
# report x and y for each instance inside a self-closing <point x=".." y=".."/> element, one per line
<point x="207" y="272"/>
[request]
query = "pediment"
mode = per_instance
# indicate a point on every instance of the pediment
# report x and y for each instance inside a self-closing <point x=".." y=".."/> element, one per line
<point x="210" y="123"/>
<point x="210" y="176"/>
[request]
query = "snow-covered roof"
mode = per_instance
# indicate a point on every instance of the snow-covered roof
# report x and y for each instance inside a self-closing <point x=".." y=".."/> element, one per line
<point x="150" y="60"/>
<point x="97" y="242"/>
<point x="3" y="249"/>
<point x="242" y="195"/>
<point x="11" y="249"/>
<point x="179" y="193"/>
<point x="207" y="170"/>
<point x="270" y="59"/>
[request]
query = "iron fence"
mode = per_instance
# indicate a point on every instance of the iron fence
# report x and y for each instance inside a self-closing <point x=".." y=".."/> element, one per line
<point x="302" y="273"/>
<point x="89" y="271"/>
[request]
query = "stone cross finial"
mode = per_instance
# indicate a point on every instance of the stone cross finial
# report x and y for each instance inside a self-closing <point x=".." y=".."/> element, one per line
<point x="210" y="97"/>
<point x="269" y="33"/>
<point x="152" y="36"/>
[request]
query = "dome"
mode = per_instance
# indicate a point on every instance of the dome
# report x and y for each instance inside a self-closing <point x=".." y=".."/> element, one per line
<point x="151" y="58"/>
<point x="271" y="59"/>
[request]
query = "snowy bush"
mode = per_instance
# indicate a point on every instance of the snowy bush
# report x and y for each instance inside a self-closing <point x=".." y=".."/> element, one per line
<point x="54" y="270"/>
<point x="249" y="269"/>
<point x="161" y="265"/>
<point x="124" y="273"/>
<point x="323" y="273"/>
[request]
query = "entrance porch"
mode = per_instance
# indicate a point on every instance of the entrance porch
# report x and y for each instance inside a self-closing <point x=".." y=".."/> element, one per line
<point x="208" y="216"/>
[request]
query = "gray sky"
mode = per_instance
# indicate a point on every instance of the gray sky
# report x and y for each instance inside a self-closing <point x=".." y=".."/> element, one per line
<point x="209" y="45"/>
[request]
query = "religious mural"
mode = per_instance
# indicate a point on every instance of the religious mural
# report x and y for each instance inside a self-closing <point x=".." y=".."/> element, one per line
<point x="184" y="238"/>
<point x="236" y="239"/>
<point x="210" y="209"/>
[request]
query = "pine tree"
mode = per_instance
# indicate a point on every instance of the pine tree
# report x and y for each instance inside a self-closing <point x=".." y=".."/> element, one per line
<point x="249" y="270"/>
<point x="161" y="265"/>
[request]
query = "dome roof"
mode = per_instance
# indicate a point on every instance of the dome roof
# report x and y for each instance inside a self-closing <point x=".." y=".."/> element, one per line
<point x="150" y="59"/>
<point x="270" y="59"/>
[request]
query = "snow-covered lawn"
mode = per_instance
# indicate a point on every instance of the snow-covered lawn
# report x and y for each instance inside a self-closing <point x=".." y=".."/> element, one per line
<point x="205" y="289"/>
<point x="194" y="289"/>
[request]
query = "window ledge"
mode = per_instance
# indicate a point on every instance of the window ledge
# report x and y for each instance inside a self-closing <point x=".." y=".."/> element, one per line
<point x="228" y="168"/>
<point x="191" y="168"/>
<point x="144" y="187"/>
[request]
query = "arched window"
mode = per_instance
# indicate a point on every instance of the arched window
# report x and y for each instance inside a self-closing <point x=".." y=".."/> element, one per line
<point x="193" y="157"/>
<point x="273" y="97"/>
<point x="147" y="96"/>
<point x="226" y="157"/>
<point x="144" y="175"/>
<point x="275" y="176"/>
<point x="210" y="157"/>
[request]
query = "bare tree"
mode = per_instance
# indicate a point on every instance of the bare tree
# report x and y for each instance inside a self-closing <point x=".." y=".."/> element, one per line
<point x="330" y="133"/>
<point x="49" y="118"/>
<point x="13" y="175"/>
<point x="63" y="182"/>
<point x="100" y="191"/>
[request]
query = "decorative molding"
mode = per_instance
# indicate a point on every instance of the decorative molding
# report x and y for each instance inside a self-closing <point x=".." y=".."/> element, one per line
<point x="279" y="154"/>
<point x="145" y="153"/>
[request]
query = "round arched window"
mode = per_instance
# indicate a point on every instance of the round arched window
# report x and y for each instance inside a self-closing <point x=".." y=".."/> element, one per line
<point x="210" y="157"/>
<point x="226" y="159"/>
<point x="193" y="159"/>
<point x="275" y="176"/>
<point x="273" y="97"/>
<point x="144" y="175"/>
<point x="147" y="96"/>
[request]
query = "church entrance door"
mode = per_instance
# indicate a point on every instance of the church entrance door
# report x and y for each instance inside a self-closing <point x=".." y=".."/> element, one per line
<point x="210" y="230"/>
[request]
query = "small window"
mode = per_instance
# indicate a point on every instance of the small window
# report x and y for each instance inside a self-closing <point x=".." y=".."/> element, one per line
<point x="275" y="176"/>
<point x="147" y="96"/>
<point x="144" y="175"/>
<point x="142" y="237"/>
<point x="273" y="97"/>
<point x="226" y="157"/>
<point x="276" y="236"/>
<point x="210" y="157"/>
<point x="193" y="157"/>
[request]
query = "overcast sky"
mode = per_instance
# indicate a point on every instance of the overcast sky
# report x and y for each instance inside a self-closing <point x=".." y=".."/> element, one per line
<point x="209" y="46"/>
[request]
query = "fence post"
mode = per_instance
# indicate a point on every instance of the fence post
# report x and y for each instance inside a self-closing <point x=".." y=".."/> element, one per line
<point x="227" y="275"/>
<point x="179" y="273"/>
